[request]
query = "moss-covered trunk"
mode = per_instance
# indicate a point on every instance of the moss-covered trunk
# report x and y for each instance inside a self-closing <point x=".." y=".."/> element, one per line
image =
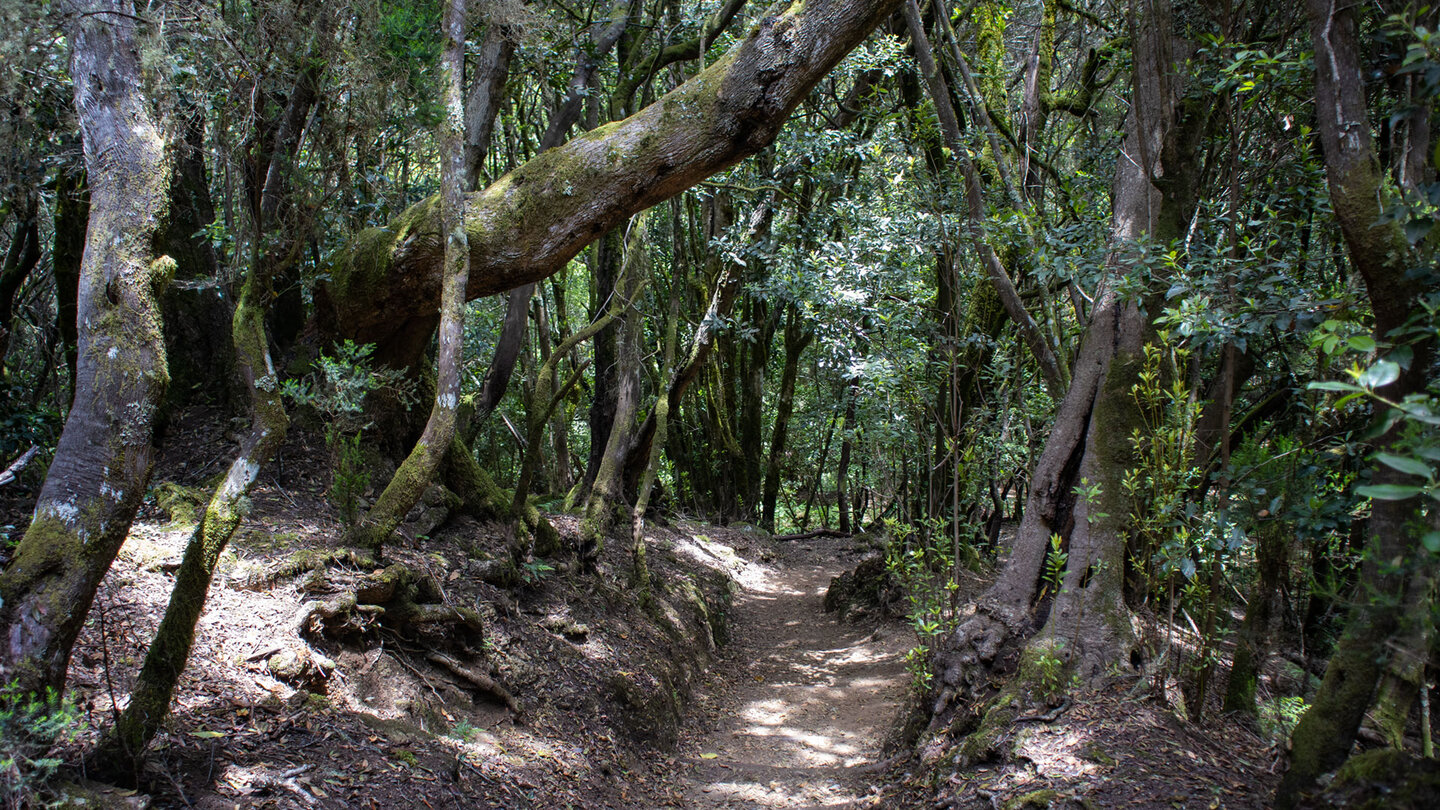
<point x="424" y="460"/>
<point x="1252" y="640"/>
<point x="1381" y="254"/>
<point x="102" y="462"/>
<point x="604" y="508"/>
<point x="197" y="309"/>
<point x="1076" y="490"/>
<point x="529" y="223"/>
<point x="121" y="751"/>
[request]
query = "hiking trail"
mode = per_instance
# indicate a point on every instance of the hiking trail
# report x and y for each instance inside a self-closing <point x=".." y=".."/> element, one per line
<point x="797" y="709"/>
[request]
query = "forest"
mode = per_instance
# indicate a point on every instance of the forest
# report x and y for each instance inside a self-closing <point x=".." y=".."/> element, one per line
<point x="646" y="403"/>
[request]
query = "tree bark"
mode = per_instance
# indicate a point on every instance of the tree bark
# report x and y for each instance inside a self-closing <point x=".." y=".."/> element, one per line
<point x="603" y="508"/>
<point x="120" y="753"/>
<point x="20" y="259"/>
<point x="102" y="462"/>
<point x="420" y="466"/>
<point x="196" y="310"/>
<point x="527" y="224"/>
<point x="72" y="211"/>
<point x="1088" y="623"/>
<point x="492" y="69"/>
<point x="1379" y="251"/>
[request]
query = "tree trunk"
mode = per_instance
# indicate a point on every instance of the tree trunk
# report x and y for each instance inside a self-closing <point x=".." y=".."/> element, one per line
<point x="1379" y="251"/>
<point x="420" y="466"/>
<point x="491" y="69"/>
<point x="72" y="212"/>
<point x="119" y="755"/>
<point x="196" y="310"/>
<point x="529" y="223"/>
<point x="754" y="361"/>
<point x="847" y="441"/>
<point x="1075" y="489"/>
<point x="607" y="257"/>
<point x="20" y="259"/>
<point x="1252" y="641"/>
<point x="603" y="509"/>
<point x="102" y="462"/>
<point x="798" y="336"/>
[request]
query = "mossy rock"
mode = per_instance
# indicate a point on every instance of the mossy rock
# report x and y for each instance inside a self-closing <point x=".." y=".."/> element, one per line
<point x="1384" y="779"/>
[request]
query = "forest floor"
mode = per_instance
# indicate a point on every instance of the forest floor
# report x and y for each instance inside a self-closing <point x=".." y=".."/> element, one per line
<point x="736" y="690"/>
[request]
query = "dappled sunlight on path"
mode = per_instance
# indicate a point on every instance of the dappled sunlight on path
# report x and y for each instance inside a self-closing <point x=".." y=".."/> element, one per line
<point x="803" y="702"/>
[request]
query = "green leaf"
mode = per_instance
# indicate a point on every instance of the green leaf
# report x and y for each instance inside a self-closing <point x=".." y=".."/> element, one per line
<point x="1361" y="343"/>
<point x="1431" y="541"/>
<point x="1333" y="386"/>
<point x="207" y="735"/>
<point x="1389" y="492"/>
<point x="1405" y="464"/>
<point x="1379" y="375"/>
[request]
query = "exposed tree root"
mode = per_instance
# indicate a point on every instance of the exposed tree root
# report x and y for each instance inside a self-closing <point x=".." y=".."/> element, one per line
<point x="479" y="680"/>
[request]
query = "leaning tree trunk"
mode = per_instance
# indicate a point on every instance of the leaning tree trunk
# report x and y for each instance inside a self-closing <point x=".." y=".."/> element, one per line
<point x="1381" y="254"/>
<point x="529" y="223"/>
<point x="1088" y="624"/>
<point x="102" y="462"/>
<point x="419" y="468"/>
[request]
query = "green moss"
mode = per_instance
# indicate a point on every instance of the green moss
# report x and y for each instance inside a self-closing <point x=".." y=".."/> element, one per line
<point x="361" y="270"/>
<point x="182" y="504"/>
<point x="1036" y="799"/>
<point x="48" y="545"/>
<point x="1386" y="779"/>
<point x="983" y="744"/>
<point x="162" y="272"/>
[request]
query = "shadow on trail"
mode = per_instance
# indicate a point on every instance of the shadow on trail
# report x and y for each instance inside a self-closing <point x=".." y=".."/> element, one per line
<point x="803" y="701"/>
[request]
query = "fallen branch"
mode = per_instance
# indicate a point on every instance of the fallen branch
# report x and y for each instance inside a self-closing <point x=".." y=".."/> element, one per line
<point x="813" y="534"/>
<point x="287" y="780"/>
<point x="13" y="471"/>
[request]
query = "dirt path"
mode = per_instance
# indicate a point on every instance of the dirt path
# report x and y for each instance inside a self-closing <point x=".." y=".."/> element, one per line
<point x="801" y="703"/>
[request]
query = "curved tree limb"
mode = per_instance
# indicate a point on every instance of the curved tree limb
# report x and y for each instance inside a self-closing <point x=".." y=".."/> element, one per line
<point x="527" y="224"/>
